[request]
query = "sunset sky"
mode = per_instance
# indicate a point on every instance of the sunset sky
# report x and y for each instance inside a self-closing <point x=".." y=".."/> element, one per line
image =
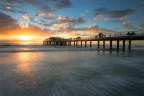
<point x="31" y="21"/>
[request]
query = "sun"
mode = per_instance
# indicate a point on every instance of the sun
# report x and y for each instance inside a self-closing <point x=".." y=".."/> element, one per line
<point x="24" y="38"/>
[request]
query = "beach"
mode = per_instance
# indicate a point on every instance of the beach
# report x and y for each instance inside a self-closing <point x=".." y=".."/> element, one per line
<point x="29" y="71"/>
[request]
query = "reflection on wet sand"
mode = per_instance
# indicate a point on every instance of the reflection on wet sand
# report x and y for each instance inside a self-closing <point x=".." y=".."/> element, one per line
<point x="71" y="73"/>
<point x="26" y="67"/>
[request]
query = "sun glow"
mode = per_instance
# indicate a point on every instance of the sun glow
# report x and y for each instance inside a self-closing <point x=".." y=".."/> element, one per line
<point x="24" y="38"/>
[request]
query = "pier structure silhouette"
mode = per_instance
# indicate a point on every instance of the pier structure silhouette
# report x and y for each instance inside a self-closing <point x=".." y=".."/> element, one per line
<point x="123" y="37"/>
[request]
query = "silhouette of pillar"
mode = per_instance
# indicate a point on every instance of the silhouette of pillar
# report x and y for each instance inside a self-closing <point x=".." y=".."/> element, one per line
<point x="57" y="43"/>
<point x="117" y="45"/>
<point x="104" y="44"/>
<point x="74" y="43"/>
<point x="90" y="43"/>
<point x="68" y="43"/>
<point x="110" y="44"/>
<point x="98" y="44"/>
<point x="54" y="43"/>
<point x="129" y="45"/>
<point x="50" y="43"/>
<point x="85" y="43"/>
<point x="81" y="43"/>
<point x="123" y="45"/>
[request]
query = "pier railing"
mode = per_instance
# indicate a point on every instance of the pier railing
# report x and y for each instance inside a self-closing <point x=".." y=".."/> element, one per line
<point x="136" y="35"/>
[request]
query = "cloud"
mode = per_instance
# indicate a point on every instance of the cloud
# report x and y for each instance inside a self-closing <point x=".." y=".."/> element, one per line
<point x="80" y="20"/>
<point x="26" y="17"/>
<point x="128" y="25"/>
<point x="71" y="21"/>
<point x="39" y="14"/>
<point x="64" y="22"/>
<point x="23" y="25"/>
<point x="141" y="27"/>
<point x="141" y="5"/>
<point x="7" y="7"/>
<point x="36" y="3"/>
<point x="46" y="12"/>
<point x="64" y="18"/>
<point x="93" y="26"/>
<point x="10" y="26"/>
<point x="45" y="9"/>
<point x="47" y="25"/>
<point x="49" y="16"/>
<point x="6" y="22"/>
<point x="85" y="13"/>
<point x="114" y="13"/>
<point x="22" y="12"/>
<point x="63" y="4"/>
<point x="106" y="19"/>
<point x="122" y="19"/>
<point x="98" y="17"/>
<point x="87" y="30"/>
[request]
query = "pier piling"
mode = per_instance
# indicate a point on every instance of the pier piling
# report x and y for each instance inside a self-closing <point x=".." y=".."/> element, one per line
<point x="129" y="45"/>
<point x="123" y="45"/>
<point x="110" y="44"/>
<point x="117" y="45"/>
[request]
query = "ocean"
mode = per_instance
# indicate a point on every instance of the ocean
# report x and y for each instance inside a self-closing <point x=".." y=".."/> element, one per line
<point x="35" y="70"/>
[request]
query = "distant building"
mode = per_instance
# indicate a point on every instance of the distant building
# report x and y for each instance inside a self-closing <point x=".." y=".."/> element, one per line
<point x="55" y="41"/>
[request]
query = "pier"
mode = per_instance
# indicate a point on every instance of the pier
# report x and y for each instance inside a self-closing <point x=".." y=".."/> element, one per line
<point x="88" y="42"/>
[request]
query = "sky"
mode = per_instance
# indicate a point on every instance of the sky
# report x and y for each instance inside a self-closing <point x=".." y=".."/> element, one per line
<point x="31" y="21"/>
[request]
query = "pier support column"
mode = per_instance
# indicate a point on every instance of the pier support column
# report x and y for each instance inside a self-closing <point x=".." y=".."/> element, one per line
<point x="117" y="45"/>
<point x="70" y="43"/>
<point x="50" y="42"/>
<point x="81" y="43"/>
<point x="90" y="43"/>
<point x="104" y="44"/>
<point x="123" y="45"/>
<point x="54" y="43"/>
<point x="98" y="44"/>
<point x="64" y="43"/>
<point x="74" y="43"/>
<point x="85" y="43"/>
<point x="110" y="44"/>
<point x="129" y="45"/>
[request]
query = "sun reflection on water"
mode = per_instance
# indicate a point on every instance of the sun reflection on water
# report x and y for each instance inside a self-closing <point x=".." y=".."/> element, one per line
<point x="26" y="67"/>
<point x="26" y="43"/>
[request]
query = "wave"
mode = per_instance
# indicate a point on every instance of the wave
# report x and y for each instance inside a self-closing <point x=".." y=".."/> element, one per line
<point x="41" y="48"/>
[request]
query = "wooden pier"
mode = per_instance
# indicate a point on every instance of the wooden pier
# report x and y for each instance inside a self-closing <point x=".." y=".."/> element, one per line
<point x="88" y="42"/>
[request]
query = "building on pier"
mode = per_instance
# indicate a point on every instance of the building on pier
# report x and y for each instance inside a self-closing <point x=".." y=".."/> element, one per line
<point x="55" y="41"/>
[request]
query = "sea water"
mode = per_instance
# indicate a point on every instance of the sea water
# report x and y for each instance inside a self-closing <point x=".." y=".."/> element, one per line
<point x="70" y="71"/>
